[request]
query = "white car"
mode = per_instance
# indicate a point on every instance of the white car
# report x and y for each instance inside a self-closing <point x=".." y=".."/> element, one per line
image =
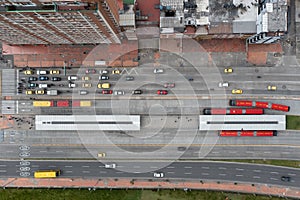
<point x="158" y="174"/>
<point x="223" y="84"/>
<point x="110" y="166"/>
<point x="119" y="92"/>
<point x="72" y="85"/>
<point x="104" y="71"/>
<point x="158" y="71"/>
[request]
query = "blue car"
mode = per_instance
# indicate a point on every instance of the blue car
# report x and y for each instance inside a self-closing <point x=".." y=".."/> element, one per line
<point x="43" y="78"/>
<point x="32" y="85"/>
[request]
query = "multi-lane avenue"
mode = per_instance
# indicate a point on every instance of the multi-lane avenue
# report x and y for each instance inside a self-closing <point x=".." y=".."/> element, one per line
<point x="205" y="170"/>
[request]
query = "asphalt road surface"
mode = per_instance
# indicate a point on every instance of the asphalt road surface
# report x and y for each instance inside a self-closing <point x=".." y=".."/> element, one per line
<point x="250" y="173"/>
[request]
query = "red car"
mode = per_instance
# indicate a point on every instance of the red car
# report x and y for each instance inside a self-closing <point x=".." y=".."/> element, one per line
<point x="162" y="92"/>
<point x="107" y="91"/>
<point x="90" y="71"/>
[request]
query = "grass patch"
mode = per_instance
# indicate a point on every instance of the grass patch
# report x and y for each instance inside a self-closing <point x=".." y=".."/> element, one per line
<point x="293" y="122"/>
<point x="100" y="194"/>
<point x="285" y="163"/>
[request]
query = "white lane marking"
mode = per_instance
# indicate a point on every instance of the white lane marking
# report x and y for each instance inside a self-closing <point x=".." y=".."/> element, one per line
<point x="249" y="152"/>
<point x="205" y="174"/>
<point x="222" y="174"/>
<point x="187" y="173"/>
<point x="256" y="177"/>
<point x="2" y="165"/>
<point x="170" y="172"/>
<point x="267" y="151"/>
<point x="43" y="151"/>
<point x="2" y="170"/>
<point x="51" y="166"/>
<point x="170" y="167"/>
<point x="187" y="167"/>
<point x="239" y="169"/>
<point x="59" y="151"/>
<point x="215" y="152"/>
<point x="136" y="166"/>
<point x="86" y="166"/>
<point x="34" y="165"/>
<point x="68" y="166"/>
<point x="275" y="179"/>
<point x="118" y="172"/>
<point x="239" y="175"/>
<point x="291" y="174"/>
<point x="9" y="151"/>
<point x="68" y="171"/>
<point x="222" y="168"/>
<point x="257" y="170"/>
<point x="232" y="152"/>
<point x="85" y="171"/>
<point x="205" y="167"/>
<point x="285" y="152"/>
<point x="274" y="172"/>
<point x="102" y="172"/>
<point x="153" y="167"/>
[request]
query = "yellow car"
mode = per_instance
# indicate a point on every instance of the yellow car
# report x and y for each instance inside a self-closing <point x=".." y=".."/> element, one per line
<point x="86" y="78"/>
<point x="86" y="85"/>
<point x="104" y="85"/>
<point x="29" y="92"/>
<point x="237" y="91"/>
<point x="54" y="71"/>
<point x="28" y="72"/>
<point x="228" y="70"/>
<point x="116" y="71"/>
<point x="39" y="92"/>
<point x="101" y="155"/>
<point x="272" y="88"/>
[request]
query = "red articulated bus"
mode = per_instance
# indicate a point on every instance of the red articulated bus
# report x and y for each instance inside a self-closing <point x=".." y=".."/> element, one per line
<point x="247" y="133"/>
<point x="233" y="111"/>
<point x="62" y="103"/>
<point x="259" y="104"/>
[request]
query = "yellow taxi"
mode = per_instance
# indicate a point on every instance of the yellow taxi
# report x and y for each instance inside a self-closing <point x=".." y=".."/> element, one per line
<point x="272" y="87"/>
<point x="39" y="92"/>
<point x="101" y="155"/>
<point x="28" y="72"/>
<point x="237" y="91"/>
<point x="86" y="78"/>
<point x="54" y="72"/>
<point x="86" y="85"/>
<point x="228" y="70"/>
<point x="104" y="85"/>
<point x="116" y="71"/>
<point x="29" y="92"/>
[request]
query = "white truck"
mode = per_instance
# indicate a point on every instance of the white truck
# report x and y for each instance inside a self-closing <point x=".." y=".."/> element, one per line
<point x="52" y="92"/>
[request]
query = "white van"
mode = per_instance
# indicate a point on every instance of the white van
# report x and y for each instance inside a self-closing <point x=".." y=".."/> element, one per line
<point x="41" y="72"/>
<point x="43" y="85"/>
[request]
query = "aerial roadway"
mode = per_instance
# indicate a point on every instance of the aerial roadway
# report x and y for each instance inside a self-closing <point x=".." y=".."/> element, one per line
<point x="204" y="170"/>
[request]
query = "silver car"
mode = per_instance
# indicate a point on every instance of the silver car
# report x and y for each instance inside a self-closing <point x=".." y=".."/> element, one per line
<point x="24" y="148"/>
<point x="158" y="71"/>
<point x="119" y="92"/>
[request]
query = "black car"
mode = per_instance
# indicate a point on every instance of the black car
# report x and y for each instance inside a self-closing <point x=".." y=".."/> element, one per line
<point x="43" y="78"/>
<point x="32" y="85"/>
<point x="286" y="178"/>
<point x="137" y="92"/>
<point x="56" y="79"/>
<point x="31" y="78"/>
<point x="103" y="77"/>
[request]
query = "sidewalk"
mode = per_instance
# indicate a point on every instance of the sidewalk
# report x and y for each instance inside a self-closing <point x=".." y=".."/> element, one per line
<point x="150" y="184"/>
